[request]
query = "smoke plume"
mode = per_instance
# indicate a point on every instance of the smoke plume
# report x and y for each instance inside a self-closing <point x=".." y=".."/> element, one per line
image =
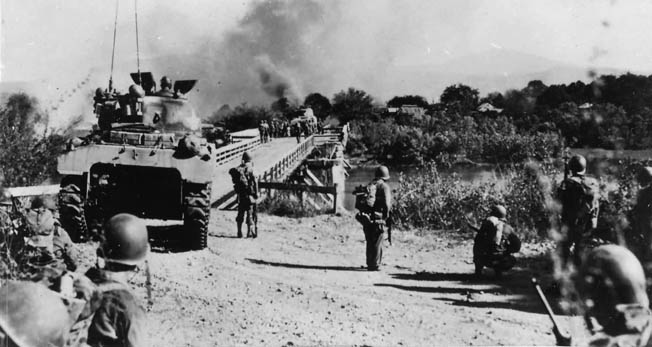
<point x="282" y="49"/>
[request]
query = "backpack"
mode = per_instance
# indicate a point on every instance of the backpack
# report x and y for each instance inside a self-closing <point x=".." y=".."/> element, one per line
<point x="365" y="197"/>
<point x="580" y="201"/>
<point x="240" y="180"/>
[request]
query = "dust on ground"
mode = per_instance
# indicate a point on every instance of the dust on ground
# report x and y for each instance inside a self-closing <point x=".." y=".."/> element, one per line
<point x="303" y="282"/>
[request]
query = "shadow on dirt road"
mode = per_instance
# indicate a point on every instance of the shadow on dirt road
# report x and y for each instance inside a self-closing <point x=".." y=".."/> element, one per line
<point x="302" y="266"/>
<point x="513" y="291"/>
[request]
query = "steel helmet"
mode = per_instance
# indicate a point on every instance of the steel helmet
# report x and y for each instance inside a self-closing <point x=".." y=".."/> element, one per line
<point x="645" y="175"/>
<point x="31" y="315"/>
<point x="246" y="157"/>
<point x="610" y="276"/>
<point x="166" y="82"/>
<point x="136" y="90"/>
<point x="382" y="172"/>
<point x="577" y="163"/>
<point x="499" y="211"/>
<point x="125" y="240"/>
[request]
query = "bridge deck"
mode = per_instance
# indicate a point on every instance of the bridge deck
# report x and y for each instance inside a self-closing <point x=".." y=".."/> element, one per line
<point x="264" y="156"/>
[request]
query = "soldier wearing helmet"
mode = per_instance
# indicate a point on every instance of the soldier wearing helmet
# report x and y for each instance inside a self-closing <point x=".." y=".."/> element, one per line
<point x="612" y="287"/>
<point x="379" y="209"/>
<point x="245" y="186"/>
<point x="579" y="195"/>
<point x="642" y="216"/>
<point x="58" y="239"/>
<point x="118" y="321"/>
<point x="31" y="315"/>
<point x="494" y="243"/>
<point x="166" y="87"/>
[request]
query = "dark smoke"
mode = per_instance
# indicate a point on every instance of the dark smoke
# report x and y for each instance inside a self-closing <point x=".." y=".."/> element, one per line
<point x="279" y="49"/>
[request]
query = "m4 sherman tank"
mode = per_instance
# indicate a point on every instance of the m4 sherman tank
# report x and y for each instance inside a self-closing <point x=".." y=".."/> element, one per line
<point x="146" y="157"/>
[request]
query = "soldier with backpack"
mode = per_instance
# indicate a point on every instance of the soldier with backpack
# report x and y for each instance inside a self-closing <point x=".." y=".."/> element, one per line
<point x="246" y="188"/>
<point x="118" y="320"/>
<point x="579" y="196"/>
<point x="494" y="243"/>
<point x="374" y="203"/>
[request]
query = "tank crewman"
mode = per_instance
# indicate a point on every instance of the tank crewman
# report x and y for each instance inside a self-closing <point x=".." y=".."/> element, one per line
<point x="119" y="319"/>
<point x="375" y="230"/>
<point x="642" y="216"/>
<point x="494" y="243"/>
<point x="246" y="187"/>
<point x="612" y="287"/>
<point x="166" y="87"/>
<point x="31" y="315"/>
<point x="62" y="246"/>
<point x="579" y="196"/>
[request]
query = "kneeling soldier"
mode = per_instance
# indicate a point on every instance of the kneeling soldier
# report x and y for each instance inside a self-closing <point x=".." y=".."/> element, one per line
<point x="494" y="243"/>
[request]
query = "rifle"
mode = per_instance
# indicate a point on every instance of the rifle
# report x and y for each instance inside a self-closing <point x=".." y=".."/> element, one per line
<point x="390" y="224"/>
<point x="562" y="339"/>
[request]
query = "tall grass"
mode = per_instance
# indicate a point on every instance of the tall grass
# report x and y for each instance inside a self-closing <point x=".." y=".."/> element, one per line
<point x="432" y="201"/>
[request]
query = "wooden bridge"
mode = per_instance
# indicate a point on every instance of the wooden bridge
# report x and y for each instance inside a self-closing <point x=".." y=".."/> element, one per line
<point x="273" y="161"/>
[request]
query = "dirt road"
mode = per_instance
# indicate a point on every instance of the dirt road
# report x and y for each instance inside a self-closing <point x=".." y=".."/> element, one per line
<point x="301" y="282"/>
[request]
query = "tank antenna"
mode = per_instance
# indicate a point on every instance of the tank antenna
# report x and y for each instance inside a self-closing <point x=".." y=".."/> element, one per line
<point x="137" y="48"/>
<point x="115" y="28"/>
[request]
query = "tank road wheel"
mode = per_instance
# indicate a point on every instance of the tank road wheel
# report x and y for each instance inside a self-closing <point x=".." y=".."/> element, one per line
<point x="71" y="208"/>
<point x="196" y="217"/>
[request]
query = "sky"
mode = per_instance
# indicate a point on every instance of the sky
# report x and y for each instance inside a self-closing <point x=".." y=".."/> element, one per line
<point x="254" y="51"/>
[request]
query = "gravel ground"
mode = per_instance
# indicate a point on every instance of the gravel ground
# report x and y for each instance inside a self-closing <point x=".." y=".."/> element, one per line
<point x="302" y="282"/>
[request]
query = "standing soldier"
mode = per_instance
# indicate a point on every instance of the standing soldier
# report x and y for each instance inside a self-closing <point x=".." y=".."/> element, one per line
<point x="297" y="131"/>
<point x="494" y="243"/>
<point x="380" y="204"/>
<point x="118" y="321"/>
<point x="642" y="216"/>
<point x="246" y="187"/>
<point x="579" y="196"/>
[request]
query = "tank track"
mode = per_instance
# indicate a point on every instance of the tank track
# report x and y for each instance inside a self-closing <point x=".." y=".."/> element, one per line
<point x="197" y="205"/>
<point x="71" y="208"/>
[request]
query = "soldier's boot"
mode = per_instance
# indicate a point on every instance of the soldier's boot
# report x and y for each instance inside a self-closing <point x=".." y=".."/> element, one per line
<point x="240" y="230"/>
<point x="249" y="233"/>
<point x="255" y="229"/>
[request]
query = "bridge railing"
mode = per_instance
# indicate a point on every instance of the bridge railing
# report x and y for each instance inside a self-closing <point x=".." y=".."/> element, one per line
<point x="227" y="152"/>
<point x="288" y="162"/>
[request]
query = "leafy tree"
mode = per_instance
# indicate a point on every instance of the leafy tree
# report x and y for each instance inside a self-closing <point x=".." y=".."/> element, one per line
<point x="554" y="96"/>
<point x="246" y="117"/>
<point x="352" y="104"/>
<point x="399" y="101"/>
<point x="461" y="96"/>
<point x="27" y="157"/>
<point x="320" y="105"/>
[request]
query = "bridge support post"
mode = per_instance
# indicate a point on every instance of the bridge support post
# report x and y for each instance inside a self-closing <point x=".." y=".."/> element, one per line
<point x="338" y="175"/>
